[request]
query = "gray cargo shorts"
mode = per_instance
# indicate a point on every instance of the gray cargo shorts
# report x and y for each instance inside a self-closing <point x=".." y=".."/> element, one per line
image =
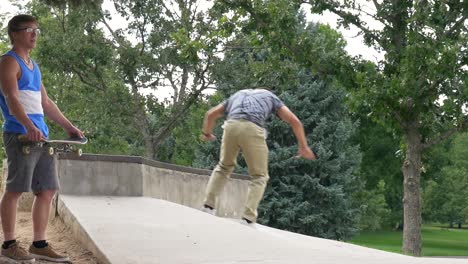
<point x="34" y="172"/>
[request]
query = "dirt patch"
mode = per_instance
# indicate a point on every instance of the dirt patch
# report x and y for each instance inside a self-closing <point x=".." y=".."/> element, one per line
<point x="57" y="234"/>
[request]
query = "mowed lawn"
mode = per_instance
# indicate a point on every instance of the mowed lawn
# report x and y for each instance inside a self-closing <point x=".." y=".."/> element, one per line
<point x="437" y="241"/>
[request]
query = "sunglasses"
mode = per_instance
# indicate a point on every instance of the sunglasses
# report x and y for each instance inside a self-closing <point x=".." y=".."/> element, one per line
<point x="29" y="30"/>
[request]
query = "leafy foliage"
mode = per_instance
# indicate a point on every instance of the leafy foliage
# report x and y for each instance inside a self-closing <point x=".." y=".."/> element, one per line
<point x="445" y="194"/>
<point x="375" y="211"/>
<point x="85" y="87"/>
<point x="380" y="170"/>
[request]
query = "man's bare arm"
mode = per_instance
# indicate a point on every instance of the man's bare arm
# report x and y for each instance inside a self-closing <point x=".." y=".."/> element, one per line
<point x="53" y="113"/>
<point x="298" y="129"/>
<point x="209" y="121"/>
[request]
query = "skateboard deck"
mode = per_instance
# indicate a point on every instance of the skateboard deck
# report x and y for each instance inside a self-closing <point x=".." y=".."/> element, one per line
<point x="53" y="146"/>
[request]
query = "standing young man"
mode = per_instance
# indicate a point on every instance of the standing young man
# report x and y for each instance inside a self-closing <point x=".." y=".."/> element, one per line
<point x="24" y="103"/>
<point x="246" y="113"/>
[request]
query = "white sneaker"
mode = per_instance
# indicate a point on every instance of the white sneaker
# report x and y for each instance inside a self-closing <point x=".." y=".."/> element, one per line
<point x="208" y="210"/>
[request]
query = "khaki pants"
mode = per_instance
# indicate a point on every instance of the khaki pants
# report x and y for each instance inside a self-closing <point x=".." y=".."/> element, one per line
<point x="245" y="136"/>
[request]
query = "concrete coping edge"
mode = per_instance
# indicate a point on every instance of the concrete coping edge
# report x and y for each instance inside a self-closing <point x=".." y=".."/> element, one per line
<point x="144" y="161"/>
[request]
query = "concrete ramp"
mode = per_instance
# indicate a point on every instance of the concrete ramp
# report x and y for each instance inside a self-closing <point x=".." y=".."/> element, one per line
<point x="143" y="230"/>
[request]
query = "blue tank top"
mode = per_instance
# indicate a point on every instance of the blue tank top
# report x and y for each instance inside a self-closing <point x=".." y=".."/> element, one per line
<point x="29" y="86"/>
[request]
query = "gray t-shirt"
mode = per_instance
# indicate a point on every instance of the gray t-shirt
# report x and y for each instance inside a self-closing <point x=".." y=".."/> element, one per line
<point x="254" y="105"/>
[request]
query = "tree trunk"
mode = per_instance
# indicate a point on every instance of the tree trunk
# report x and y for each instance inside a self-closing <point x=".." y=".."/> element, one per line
<point x="142" y="122"/>
<point x="411" y="168"/>
<point x="141" y="119"/>
<point x="179" y="113"/>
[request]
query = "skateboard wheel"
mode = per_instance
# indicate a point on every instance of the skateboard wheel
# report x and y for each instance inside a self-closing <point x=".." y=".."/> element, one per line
<point x="79" y="152"/>
<point x="51" y="151"/>
<point x="26" y="150"/>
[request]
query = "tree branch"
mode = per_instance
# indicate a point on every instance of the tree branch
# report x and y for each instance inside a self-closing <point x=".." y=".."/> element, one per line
<point x="352" y="19"/>
<point x="141" y="28"/>
<point x="171" y="12"/>
<point x="399" y="118"/>
<point x="439" y="138"/>
<point x="457" y="24"/>
<point x="151" y="84"/>
<point x="164" y="131"/>
<point x="376" y="18"/>
<point x="114" y="35"/>
<point x="376" y="4"/>
<point x="82" y="78"/>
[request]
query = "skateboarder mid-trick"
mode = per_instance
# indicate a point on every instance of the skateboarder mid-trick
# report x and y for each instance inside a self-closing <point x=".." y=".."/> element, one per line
<point x="24" y="103"/>
<point x="244" y="130"/>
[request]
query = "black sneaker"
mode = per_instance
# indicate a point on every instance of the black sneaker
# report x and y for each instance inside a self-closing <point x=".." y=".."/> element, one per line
<point x="208" y="209"/>
<point x="246" y="221"/>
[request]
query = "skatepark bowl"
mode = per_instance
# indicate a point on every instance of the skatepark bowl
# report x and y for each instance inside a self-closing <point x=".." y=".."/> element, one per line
<point x="131" y="210"/>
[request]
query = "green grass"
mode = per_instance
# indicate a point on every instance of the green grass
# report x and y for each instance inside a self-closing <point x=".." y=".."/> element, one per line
<point x="437" y="241"/>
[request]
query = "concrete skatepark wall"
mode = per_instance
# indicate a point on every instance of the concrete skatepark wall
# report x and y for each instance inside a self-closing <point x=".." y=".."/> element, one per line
<point x="108" y="175"/>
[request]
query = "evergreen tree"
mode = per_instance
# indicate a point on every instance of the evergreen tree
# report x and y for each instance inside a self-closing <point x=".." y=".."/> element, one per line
<point x="313" y="198"/>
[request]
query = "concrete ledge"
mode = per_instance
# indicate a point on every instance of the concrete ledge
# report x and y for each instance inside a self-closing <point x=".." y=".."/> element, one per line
<point x="113" y="175"/>
<point x="79" y="232"/>
<point x="145" y="161"/>
<point x="83" y="177"/>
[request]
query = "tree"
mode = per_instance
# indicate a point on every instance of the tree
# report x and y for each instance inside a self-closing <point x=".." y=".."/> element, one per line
<point x="179" y="148"/>
<point x="380" y="170"/>
<point x="446" y="194"/>
<point x="375" y="211"/>
<point x="165" y="45"/>
<point x="425" y="44"/>
<point x="84" y="86"/>
<point x="314" y="198"/>
<point x="72" y="2"/>
<point x="177" y="46"/>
